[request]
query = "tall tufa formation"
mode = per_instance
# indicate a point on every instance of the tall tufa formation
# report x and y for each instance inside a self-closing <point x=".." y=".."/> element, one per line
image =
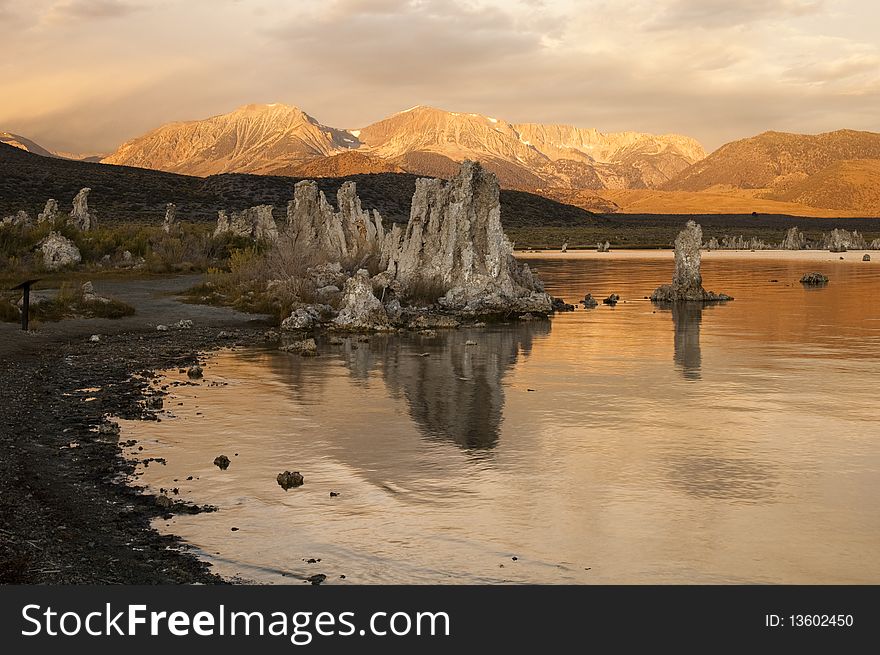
<point x="794" y="240"/>
<point x="170" y="222"/>
<point x="687" y="281"/>
<point x="80" y="216"/>
<point x="254" y="223"/>
<point x="49" y="213"/>
<point x="352" y="231"/>
<point x="454" y="244"/>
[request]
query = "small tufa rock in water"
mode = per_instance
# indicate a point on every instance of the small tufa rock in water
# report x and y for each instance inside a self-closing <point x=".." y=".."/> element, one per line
<point x="164" y="502"/>
<point x="866" y="257"/>
<point x="603" y="247"/>
<point x="612" y="300"/>
<point x="195" y="371"/>
<point x="287" y="479"/>
<point x="305" y="347"/>
<point x="221" y="462"/>
<point x="316" y="579"/>
<point x="589" y="302"/>
<point x="559" y="305"/>
<point x="814" y="279"/>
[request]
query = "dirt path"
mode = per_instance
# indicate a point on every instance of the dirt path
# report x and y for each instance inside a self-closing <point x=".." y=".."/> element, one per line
<point x="66" y="513"/>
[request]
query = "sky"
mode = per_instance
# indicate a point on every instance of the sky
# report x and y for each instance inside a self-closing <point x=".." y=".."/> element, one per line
<point x="83" y="76"/>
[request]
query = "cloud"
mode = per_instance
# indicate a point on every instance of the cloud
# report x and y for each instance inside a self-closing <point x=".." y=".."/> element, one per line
<point x="402" y="43"/>
<point x="711" y="14"/>
<point x="66" y="10"/>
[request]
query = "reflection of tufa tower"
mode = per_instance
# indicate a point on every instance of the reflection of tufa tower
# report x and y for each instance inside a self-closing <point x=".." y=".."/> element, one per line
<point x="455" y="393"/>
<point x="687" y="318"/>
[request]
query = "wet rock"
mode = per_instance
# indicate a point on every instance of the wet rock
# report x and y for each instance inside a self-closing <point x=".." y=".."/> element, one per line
<point x="794" y="240"/>
<point x="334" y="494"/>
<point x="303" y="347"/>
<point x="564" y="247"/>
<point x="589" y="302"/>
<point x="49" y="213"/>
<point x="59" y="252"/>
<point x="434" y="321"/>
<point x="360" y="308"/>
<point x="80" y="216"/>
<point x="612" y="300"/>
<point x="154" y="402"/>
<point x="603" y="247"/>
<point x="255" y="223"/>
<point x="304" y="317"/>
<point x="195" y="372"/>
<point x="316" y="579"/>
<point x="169" y="224"/>
<point x="287" y="480"/>
<point x="109" y="428"/>
<point x="454" y="245"/>
<point x="687" y="281"/>
<point x="559" y="305"/>
<point x="866" y="257"/>
<point x="814" y="279"/>
<point x="221" y="462"/>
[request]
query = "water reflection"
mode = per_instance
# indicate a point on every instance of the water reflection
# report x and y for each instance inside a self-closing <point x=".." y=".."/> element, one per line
<point x="455" y="392"/>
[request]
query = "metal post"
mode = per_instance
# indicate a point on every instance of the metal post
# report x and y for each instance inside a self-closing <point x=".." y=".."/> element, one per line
<point x="25" y="301"/>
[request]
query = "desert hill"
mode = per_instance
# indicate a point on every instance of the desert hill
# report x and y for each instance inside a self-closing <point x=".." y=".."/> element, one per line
<point x="283" y="140"/>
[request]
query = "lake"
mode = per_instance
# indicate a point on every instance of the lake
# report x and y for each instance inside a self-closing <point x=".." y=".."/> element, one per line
<point x="733" y="443"/>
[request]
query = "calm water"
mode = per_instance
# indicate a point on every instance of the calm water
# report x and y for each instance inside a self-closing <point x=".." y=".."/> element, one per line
<point x="735" y="443"/>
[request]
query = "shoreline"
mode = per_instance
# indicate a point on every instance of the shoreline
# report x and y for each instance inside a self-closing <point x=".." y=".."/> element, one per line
<point x="817" y="256"/>
<point x="70" y="510"/>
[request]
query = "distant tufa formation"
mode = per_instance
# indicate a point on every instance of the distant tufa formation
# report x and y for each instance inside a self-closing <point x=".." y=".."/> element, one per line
<point x="837" y="240"/>
<point x="687" y="281"/>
